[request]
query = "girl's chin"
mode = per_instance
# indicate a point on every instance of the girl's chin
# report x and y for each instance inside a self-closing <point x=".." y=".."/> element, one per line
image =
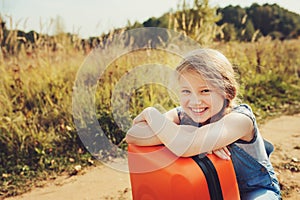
<point x="199" y="119"/>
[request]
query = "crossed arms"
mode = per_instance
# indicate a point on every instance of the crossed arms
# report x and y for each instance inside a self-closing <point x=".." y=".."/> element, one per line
<point x="151" y="127"/>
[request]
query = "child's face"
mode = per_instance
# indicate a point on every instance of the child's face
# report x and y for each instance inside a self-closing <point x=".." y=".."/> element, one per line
<point x="198" y="99"/>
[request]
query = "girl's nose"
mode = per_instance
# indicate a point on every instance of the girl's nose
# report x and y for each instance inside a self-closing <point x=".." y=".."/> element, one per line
<point x="196" y="99"/>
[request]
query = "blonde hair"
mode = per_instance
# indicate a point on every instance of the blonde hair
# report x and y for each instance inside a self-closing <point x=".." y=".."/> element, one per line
<point x="216" y="69"/>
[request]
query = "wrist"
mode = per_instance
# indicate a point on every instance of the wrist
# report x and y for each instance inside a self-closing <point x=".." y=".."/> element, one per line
<point x="155" y="119"/>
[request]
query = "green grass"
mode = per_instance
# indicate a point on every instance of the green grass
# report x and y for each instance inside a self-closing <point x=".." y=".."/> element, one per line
<point x="38" y="137"/>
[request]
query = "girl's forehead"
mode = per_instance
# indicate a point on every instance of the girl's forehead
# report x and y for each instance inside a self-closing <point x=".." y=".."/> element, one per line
<point x="191" y="76"/>
<point x="192" y="79"/>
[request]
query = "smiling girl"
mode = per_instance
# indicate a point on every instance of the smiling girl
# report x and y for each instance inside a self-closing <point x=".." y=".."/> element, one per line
<point x="210" y="120"/>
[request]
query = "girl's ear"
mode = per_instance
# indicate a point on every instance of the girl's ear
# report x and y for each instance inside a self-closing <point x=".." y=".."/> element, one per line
<point x="226" y="103"/>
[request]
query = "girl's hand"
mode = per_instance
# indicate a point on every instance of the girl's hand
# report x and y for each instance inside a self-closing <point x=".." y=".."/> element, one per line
<point x="222" y="153"/>
<point x="144" y="116"/>
<point x="141" y="133"/>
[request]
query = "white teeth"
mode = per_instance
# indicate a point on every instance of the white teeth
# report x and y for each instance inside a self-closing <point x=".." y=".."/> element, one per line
<point x="198" y="110"/>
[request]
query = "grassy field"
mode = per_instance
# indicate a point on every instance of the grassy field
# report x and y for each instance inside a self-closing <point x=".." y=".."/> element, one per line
<point x="38" y="137"/>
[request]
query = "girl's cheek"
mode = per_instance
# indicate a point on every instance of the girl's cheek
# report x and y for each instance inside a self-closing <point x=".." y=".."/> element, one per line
<point x="208" y="99"/>
<point x="183" y="99"/>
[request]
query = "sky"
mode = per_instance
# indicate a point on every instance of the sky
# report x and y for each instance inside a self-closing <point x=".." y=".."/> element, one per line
<point x="94" y="17"/>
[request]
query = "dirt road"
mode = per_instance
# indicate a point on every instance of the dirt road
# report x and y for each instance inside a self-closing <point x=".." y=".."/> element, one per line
<point x="102" y="182"/>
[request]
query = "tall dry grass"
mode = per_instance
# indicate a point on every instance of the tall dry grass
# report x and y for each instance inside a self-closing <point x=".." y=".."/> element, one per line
<point x="38" y="137"/>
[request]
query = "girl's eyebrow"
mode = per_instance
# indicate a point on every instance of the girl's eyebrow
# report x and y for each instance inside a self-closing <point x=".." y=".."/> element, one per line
<point x="185" y="87"/>
<point x="200" y="87"/>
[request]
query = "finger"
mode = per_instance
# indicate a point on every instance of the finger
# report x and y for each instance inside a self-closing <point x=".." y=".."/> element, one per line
<point x="139" y="119"/>
<point x="221" y="154"/>
<point x="225" y="153"/>
<point x="226" y="150"/>
<point x="218" y="153"/>
<point x="142" y="125"/>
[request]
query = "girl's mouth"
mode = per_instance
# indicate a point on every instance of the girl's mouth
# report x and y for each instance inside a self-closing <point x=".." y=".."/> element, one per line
<point x="198" y="110"/>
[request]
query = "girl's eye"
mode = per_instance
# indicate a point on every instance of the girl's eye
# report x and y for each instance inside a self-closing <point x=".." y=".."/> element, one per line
<point x="205" y="91"/>
<point x="185" y="92"/>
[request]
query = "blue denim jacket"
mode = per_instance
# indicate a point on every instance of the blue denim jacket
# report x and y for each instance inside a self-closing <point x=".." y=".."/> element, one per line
<point x="253" y="171"/>
<point x="251" y="161"/>
<point x="252" y="175"/>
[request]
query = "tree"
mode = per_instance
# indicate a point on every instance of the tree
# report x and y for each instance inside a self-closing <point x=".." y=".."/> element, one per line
<point x="229" y="32"/>
<point x="248" y="31"/>
<point x="259" y="21"/>
<point x="274" y="19"/>
<point x="233" y="15"/>
<point x="161" y="22"/>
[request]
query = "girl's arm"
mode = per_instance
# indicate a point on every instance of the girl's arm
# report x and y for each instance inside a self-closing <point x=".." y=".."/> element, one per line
<point x="188" y="141"/>
<point x="141" y="134"/>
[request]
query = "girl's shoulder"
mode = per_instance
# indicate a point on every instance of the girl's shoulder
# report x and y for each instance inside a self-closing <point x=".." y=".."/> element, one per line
<point x="246" y="110"/>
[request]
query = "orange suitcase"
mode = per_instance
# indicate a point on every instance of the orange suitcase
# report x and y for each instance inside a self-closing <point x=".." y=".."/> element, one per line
<point x="157" y="174"/>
